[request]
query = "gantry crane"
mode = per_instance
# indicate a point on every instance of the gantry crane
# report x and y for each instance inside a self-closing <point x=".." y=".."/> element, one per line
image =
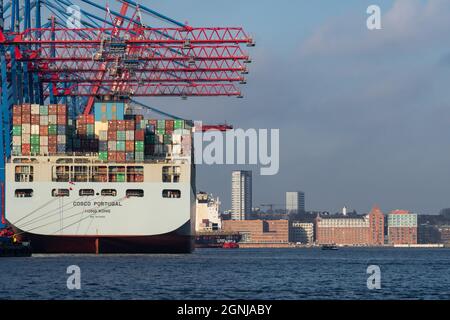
<point x="110" y="55"/>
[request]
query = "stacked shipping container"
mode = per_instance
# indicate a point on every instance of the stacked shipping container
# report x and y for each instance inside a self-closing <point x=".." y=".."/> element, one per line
<point x="44" y="130"/>
<point x="39" y="130"/>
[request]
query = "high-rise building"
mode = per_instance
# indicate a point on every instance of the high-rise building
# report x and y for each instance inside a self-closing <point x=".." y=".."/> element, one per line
<point x="295" y="202"/>
<point x="241" y="195"/>
<point x="376" y="218"/>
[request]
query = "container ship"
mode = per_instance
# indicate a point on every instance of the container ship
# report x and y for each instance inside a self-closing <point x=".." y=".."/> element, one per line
<point x="109" y="182"/>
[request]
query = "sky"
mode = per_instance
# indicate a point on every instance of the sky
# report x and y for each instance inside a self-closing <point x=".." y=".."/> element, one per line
<point x="363" y="115"/>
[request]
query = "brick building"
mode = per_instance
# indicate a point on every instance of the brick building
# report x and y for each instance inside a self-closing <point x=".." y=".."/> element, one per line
<point x="402" y="227"/>
<point x="351" y="230"/>
<point x="259" y="231"/>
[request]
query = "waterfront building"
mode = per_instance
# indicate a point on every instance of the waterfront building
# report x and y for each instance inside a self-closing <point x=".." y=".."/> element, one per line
<point x="402" y="227"/>
<point x="260" y="231"/>
<point x="207" y="213"/>
<point x="301" y="232"/>
<point x="241" y="195"/>
<point x="351" y="230"/>
<point x="295" y="202"/>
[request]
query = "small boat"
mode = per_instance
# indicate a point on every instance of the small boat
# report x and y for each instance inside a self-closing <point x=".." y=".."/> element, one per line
<point x="9" y="248"/>
<point x="330" y="247"/>
<point x="230" y="245"/>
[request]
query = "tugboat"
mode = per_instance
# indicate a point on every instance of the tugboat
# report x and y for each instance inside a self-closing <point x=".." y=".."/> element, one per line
<point x="230" y="245"/>
<point x="330" y="247"/>
<point x="10" y="247"/>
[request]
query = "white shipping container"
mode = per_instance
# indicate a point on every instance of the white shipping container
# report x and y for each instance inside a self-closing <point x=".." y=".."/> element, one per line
<point x="176" y="149"/>
<point x="103" y="135"/>
<point x="26" y="128"/>
<point x="34" y="129"/>
<point x="129" y="135"/>
<point x="35" y="109"/>
<point x="44" y="121"/>
<point x="43" y="149"/>
<point x="176" y="139"/>
<point x="61" y="139"/>
<point x="53" y="119"/>
<point x="43" y="140"/>
<point x="26" y="138"/>
<point x="17" y="140"/>
<point x="112" y="145"/>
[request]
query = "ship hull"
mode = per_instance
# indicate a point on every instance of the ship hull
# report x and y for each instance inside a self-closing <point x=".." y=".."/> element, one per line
<point x="173" y="242"/>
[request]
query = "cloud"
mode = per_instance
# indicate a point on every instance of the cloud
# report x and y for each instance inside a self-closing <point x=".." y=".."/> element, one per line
<point x="406" y="24"/>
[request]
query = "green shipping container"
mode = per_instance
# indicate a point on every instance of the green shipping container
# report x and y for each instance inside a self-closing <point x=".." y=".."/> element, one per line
<point x="121" y="136"/>
<point x="17" y="130"/>
<point x="139" y="156"/>
<point x="167" y="139"/>
<point x="120" y="177"/>
<point x="52" y="129"/>
<point x="139" y="146"/>
<point x="35" y="139"/>
<point x="161" y="131"/>
<point x="43" y="110"/>
<point x="161" y="124"/>
<point x="35" y="149"/>
<point x="178" y="124"/>
<point x="103" y="156"/>
<point x="120" y="146"/>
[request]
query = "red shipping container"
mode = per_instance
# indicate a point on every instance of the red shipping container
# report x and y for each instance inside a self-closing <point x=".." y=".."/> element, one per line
<point x="129" y="125"/>
<point x="90" y="119"/>
<point x="26" y="118"/>
<point x="17" y="109"/>
<point x="26" y="149"/>
<point x="169" y="124"/>
<point x="112" y="125"/>
<point x="62" y="119"/>
<point x="53" y="109"/>
<point x="139" y="117"/>
<point x="139" y="135"/>
<point x="52" y="140"/>
<point x="35" y="119"/>
<point x="121" y="158"/>
<point x="129" y="146"/>
<point x="52" y="149"/>
<point x="43" y="130"/>
<point x="112" y="135"/>
<point x="17" y="120"/>
<point x="121" y="125"/>
<point x="26" y="108"/>
<point x="112" y="156"/>
<point x="61" y="109"/>
<point x="169" y="130"/>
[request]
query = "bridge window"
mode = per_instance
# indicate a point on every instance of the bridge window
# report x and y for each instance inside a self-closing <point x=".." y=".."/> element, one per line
<point x="135" y="174"/>
<point x="135" y="193"/>
<point x="80" y="173"/>
<point x="176" y="194"/>
<point x="99" y="174"/>
<point x="24" y="173"/>
<point x="117" y="174"/>
<point x="23" y="193"/>
<point x="61" y="174"/>
<point x="171" y="174"/>
<point x="109" y="192"/>
<point x="87" y="192"/>
<point x="60" y="193"/>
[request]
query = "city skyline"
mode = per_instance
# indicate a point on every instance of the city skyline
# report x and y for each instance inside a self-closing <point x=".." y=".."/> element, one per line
<point x="362" y="114"/>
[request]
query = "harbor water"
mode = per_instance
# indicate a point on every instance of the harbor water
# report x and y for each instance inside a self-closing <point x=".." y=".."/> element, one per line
<point x="233" y="274"/>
